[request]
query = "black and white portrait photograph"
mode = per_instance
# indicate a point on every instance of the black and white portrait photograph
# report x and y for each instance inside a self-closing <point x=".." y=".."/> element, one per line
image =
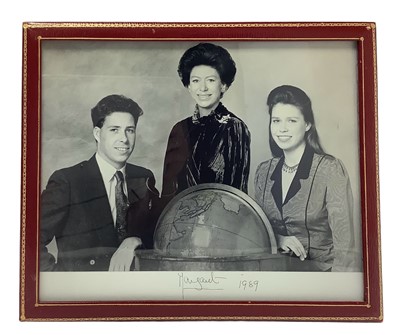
<point x="200" y="156"/>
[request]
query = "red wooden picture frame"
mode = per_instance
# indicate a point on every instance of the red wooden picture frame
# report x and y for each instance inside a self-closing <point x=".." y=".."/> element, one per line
<point x="33" y="308"/>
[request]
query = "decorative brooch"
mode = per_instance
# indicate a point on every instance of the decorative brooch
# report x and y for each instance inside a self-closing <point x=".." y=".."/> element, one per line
<point x="223" y="118"/>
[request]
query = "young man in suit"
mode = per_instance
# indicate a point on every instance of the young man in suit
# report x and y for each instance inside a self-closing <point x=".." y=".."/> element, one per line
<point x="84" y="207"/>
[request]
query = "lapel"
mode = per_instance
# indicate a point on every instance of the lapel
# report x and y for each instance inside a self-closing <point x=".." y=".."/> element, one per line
<point x="96" y="188"/>
<point x="93" y="181"/>
<point x="136" y="185"/>
<point x="93" y="187"/>
<point x="302" y="172"/>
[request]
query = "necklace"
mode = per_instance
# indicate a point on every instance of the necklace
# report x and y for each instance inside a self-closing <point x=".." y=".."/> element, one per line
<point x="289" y="169"/>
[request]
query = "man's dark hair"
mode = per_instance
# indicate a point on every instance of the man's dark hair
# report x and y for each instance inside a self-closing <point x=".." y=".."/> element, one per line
<point x="111" y="104"/>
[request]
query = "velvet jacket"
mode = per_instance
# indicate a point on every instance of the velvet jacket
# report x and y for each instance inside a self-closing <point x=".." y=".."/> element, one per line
<point x="76" y="212"/>
<point x="211" y="149"/>
<point x="318" y="209"/>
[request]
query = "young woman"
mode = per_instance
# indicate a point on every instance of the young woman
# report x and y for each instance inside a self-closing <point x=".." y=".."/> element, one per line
<point x="305" y="193"/>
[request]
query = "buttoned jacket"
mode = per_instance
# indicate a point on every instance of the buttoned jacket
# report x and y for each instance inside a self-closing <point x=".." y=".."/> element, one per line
<point x="75" y="210"/>
<point x="318" y="208"/>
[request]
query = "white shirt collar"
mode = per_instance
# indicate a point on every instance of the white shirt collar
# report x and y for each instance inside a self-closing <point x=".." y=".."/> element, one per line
<point x="106" y="169"/>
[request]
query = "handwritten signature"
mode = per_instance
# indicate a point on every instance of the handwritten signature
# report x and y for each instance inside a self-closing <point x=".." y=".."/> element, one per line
<point x="209" y="282"/>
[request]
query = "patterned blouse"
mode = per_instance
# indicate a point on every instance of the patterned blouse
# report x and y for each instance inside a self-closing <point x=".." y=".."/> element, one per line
<point x="318" y="209"/>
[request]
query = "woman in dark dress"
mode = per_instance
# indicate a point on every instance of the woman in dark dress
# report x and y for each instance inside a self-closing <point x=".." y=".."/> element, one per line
<point x="305" y="193"/>
<point x="212" y="145"/>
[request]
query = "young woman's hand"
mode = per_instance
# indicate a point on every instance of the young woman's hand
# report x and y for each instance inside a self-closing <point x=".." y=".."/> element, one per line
<point x="291" y="243"/>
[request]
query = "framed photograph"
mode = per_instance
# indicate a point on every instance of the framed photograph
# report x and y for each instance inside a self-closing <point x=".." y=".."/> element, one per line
<point x="200" y="171"/>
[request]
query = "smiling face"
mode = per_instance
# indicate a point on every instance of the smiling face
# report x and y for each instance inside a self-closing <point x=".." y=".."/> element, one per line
<point x="288" y="127"/>
<point x="116" y="138"/>
<point x="206" y="87"/>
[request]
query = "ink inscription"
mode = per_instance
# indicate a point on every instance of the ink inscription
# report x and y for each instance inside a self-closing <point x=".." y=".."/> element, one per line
<point x="207" y="282"/>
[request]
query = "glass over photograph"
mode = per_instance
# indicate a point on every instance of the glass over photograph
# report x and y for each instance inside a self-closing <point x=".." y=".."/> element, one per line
<point x="208" y="170"/>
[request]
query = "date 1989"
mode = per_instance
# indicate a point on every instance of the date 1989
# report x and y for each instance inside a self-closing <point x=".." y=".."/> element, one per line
<point x="248" y="285"/>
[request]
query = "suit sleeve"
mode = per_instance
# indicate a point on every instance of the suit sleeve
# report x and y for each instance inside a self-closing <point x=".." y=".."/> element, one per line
<point x="339" y="202"/>
<point x="55" y="201"/>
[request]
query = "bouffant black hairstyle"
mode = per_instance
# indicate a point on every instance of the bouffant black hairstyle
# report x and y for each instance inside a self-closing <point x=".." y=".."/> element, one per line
<point x="207" y="54"/>
<point x="114" y="103"/>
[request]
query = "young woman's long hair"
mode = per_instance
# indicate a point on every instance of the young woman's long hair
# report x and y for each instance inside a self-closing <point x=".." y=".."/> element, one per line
<point x="291" y="95"/>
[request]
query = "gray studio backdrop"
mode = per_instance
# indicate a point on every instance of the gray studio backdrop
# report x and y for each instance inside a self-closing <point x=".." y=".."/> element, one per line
<point x="77" y="74"/>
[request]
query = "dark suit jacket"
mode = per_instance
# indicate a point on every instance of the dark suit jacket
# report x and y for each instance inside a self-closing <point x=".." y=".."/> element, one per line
<point x="76" y="211"/>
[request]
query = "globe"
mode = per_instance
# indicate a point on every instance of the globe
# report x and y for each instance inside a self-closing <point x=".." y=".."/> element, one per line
<point x="211" y="227"/>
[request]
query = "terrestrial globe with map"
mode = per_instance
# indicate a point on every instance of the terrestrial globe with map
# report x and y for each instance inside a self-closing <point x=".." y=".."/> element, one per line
<point x="209" y="227"/>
